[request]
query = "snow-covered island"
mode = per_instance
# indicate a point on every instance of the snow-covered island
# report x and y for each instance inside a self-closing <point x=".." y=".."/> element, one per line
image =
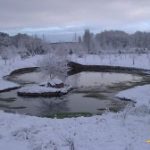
<point x="52" y="88"/>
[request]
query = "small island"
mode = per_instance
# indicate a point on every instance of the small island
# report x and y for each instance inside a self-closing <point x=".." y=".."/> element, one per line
<point x="52" y="88"/>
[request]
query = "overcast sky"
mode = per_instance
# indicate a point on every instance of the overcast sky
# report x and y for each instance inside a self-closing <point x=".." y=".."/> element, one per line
<point x="43" y="15"/>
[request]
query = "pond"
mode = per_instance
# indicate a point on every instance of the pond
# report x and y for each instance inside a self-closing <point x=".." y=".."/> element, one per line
<point x="94" y="93"/>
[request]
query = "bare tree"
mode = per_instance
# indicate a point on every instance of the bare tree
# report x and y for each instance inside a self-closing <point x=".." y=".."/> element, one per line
<point x="55" y="66"/>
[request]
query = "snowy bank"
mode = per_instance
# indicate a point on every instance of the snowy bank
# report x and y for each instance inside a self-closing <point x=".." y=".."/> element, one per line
<point x="6" y="86"/>
<point x="106" y="132"/>
<point x="13" y="64"/>
<point x="18" y="63"/>
<point x="122" y="60"/>
<point x="139" y="94"/>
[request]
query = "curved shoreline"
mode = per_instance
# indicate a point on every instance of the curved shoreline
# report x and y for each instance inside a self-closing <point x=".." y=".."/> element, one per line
<point x="23" y="70"/>
<point x="9" y="89"/>
<point x="77" y="68"/>
<point x="43" y="94"/>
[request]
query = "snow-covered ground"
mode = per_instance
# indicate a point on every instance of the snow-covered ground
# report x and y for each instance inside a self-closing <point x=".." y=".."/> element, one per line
<point x="122" y="131"/>
<point x="141" y="61"/>
<point x="36" y="89"/>
<point x="127" y="130"/>
<point x="13" y="64"/>
<point x="7" y="85"/>
<point x="139" y="94"/>
<point x="17" y="63"/>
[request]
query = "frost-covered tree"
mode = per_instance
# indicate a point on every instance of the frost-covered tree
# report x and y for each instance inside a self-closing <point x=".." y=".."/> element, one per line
<point x="61" y="51"/>
<point x="8" y="53"/>
<point x="87" y="40"/>
<point x="54" y="66"/>
<point x="110" y="40"/>
<point x="32" y="44"/>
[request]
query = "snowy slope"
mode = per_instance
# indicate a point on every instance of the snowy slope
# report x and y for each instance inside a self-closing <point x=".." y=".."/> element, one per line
<point x="139" y="94"/>
<point x="106" y="132"/>
<point x="17" y="63"/>
<point x="7" y="85"/>
<point x="141" y="61"/>
<point x="13" y="64"/>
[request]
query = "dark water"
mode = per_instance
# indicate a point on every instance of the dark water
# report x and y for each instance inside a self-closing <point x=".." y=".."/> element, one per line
<point x="94" y="92"/>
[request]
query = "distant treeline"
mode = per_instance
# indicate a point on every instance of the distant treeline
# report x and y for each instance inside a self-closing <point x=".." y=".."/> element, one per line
<point x="116" y="40"/>
<point x="106" y="41"/>
<point x="21" y="43"/>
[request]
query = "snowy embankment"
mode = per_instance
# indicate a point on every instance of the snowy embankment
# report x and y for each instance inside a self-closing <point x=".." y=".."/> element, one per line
<point x="139" y="61"/>
<point x="18" y="63"/>
<point x="122" y="131"/>
<point x="6" y="85"/>
<point x="139" y="94"/>
<point x="13" y="64"/>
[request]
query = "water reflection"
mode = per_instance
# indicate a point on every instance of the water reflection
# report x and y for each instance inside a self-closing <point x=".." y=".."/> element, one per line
<point x="89" y="79"/>
<point x="88" y="97"/>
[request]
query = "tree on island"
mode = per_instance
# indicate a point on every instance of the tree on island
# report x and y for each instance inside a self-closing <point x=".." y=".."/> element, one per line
<point x="55" y="66"/>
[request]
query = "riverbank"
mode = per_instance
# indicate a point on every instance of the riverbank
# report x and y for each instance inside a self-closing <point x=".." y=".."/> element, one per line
<point x="138" y="61"/>
<point x="15" y="64"/>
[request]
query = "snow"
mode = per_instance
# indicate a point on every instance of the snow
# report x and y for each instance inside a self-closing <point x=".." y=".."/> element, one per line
<point x="52" y="82"/>
<point x="126" y="130"/>
<point x="7" y="85"/>
<point x="141" y="61"/>
<point x="107" y="132"/>
<point x="139" y="94"/>
<point x="18" y="63"/>
<point x="41" y="89"/>
<point x="13" y="145"/>
<point x="13" y="64"/>
<point x="56" y="81"/>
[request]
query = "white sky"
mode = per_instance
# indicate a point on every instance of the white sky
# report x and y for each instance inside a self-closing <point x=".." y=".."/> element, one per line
<point x="56" y="15"/>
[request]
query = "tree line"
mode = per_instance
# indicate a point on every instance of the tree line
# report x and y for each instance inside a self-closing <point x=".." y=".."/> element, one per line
<point x="22" y="44"/>
<point x="116" y="41"/>
<point x="103" y="42"/>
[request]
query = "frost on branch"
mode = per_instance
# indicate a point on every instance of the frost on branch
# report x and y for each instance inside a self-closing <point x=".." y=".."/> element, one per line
<point x="55" y="66"/>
